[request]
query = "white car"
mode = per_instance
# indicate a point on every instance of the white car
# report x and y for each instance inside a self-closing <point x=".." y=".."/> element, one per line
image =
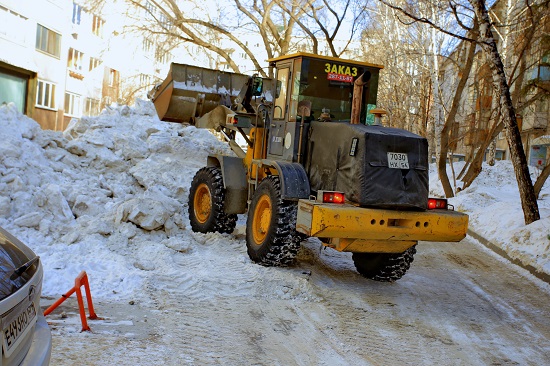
<point x="26" y="336"/>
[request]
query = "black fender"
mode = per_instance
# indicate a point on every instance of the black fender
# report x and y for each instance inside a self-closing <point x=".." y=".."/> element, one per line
<point x="234" y="182"/>
<point x="293" y="178"/>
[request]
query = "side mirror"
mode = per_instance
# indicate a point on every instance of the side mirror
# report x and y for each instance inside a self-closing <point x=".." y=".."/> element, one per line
<point x="257" y="86"/>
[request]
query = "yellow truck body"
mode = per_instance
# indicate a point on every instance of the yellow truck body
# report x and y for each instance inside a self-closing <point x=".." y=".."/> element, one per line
<point x="349" y="228"/>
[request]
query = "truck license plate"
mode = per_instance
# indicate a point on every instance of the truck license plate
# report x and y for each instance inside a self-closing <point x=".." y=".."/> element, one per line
<point x="398" y="160"/>
<point x="14" y="331"/>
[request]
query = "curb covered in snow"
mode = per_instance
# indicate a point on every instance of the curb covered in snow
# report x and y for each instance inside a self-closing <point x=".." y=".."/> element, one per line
<point x="495" y="248"/>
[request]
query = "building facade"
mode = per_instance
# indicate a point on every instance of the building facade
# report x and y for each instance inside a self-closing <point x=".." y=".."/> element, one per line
<point x="526" y="57"/>
<point x="62" y="61"/>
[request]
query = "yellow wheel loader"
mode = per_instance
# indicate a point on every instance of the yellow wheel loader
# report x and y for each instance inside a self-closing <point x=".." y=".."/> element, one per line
<point x="314" y="161"/>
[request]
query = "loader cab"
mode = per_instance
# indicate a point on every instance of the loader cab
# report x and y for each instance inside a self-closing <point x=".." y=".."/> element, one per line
<point x="315" y="88"/>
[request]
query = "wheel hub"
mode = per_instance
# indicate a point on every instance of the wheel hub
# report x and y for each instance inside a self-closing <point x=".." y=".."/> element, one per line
<point x="202" y="203"/>
<point x="262" y="219"/>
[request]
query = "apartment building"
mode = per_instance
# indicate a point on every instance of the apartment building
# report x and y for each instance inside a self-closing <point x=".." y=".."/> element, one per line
<point x="60" y="60"/>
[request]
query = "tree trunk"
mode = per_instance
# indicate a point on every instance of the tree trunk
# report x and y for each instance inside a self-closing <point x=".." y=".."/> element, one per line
<point x="492" y="153"/>
<point x="442" y="161"/>
<point x="437" y="108"/>
<point x="430" y="124"/>
<point x="496" y="114"/>
<point x="542" y="179"/>
<point x="527" y="193"/>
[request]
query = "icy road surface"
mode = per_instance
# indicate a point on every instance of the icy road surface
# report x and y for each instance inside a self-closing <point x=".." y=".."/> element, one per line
<point x="458" y="305"/>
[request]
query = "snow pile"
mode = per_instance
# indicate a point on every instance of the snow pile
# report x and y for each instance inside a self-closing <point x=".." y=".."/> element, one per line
<point x="100" y="196"/>
<point x="494" y="207"/>
<point x="109" y="196"/>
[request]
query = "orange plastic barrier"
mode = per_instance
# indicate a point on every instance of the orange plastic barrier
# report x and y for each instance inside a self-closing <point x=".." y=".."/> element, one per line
<point x="81" y="280"/>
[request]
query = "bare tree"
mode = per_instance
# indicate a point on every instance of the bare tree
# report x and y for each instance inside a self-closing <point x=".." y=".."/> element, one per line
<point x="489" y="46"/>
<point x="405" y="87"/>
<point x="464" y="70"/>
<point x="223" y="29"/>
<point x="488" y="43"/>
<point x="527" y="22"/>
<point x="322" y="22"/>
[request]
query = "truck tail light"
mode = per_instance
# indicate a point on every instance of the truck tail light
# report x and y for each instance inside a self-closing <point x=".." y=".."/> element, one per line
<point x="437" y="203"/>
<point x="333" y="197"/>
<point x="231" y="119"/>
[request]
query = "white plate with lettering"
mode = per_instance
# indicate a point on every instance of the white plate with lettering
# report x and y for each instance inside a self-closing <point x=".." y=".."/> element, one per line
<point x="14" y="331"/>
<point x="398" y="160"/>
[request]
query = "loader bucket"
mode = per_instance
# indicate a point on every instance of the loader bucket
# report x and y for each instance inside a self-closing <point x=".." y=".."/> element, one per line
<point x="189" y="92"/>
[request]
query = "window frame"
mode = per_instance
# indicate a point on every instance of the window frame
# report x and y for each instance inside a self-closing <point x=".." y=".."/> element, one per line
<point x="148" y="46"/>
<point x="113" y="78"/>
<point x="47" y="89"/>
<point x="150" y="9"/>
<point x="77" y="13"/>
<point x="97" y="25"/>
<point x="145" y="80"/>
<point x="75" y="100"/>
<point x="75" y="60"/>
<point x="44" y="38"/>
<point x="95" y="62"/>
<point x="283" y="79"/>
<point x="162" y="56"/>
<point x="91" y="106"/>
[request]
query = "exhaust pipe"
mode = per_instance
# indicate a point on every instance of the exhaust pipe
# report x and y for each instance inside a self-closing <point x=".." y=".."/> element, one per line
<point x="357" y="100"/>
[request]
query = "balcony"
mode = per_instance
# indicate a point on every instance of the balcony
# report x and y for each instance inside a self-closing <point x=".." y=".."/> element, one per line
<point x="535" y="121"/>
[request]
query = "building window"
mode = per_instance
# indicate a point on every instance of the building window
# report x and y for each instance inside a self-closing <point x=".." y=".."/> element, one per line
<point x="164" y="21"/>
<point x="72" y="104"/>
<point x="75" y="60"/>
<point x="77" y="11"/>
<point x="97" y="26"/>
<point x="145" y="80"/>
<point x="147" y="45"/>
<point x="113" y="77"/>
<point x="92" y="107"/>
<point x="45" y="95"/>
<point x="48" y="41"/>
<point x="150" y="9"/>
<point x="94" y="62"/>
<point x="107" y="100"/>
<point x="161" y="56"/>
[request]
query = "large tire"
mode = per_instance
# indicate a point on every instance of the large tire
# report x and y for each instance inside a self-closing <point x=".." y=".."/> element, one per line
<point x="384" y="267"/>
<point x="206" y="200"/>
<point x="271" y="237"/>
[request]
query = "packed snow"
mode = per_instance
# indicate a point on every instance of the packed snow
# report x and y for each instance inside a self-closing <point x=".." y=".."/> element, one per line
<point x="109" y="196"/>
<point x="494" y="208"/>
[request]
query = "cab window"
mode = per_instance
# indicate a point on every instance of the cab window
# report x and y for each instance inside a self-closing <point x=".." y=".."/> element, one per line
<point x="283" y="75"/>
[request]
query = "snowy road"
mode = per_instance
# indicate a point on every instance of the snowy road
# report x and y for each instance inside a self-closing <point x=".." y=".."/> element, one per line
<point x="458" y="305"/>
<point x="110" y="196"/>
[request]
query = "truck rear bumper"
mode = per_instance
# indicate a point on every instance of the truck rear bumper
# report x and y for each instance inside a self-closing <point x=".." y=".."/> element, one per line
<point x="356" y="229"/>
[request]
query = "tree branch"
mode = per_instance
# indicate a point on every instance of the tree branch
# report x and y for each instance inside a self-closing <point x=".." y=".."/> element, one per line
<point x="427" y="21"/>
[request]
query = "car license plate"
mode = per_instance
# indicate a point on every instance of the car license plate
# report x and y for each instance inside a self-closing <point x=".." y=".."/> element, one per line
<point x="398" y="160"/>
<point x="15" y="329"/>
